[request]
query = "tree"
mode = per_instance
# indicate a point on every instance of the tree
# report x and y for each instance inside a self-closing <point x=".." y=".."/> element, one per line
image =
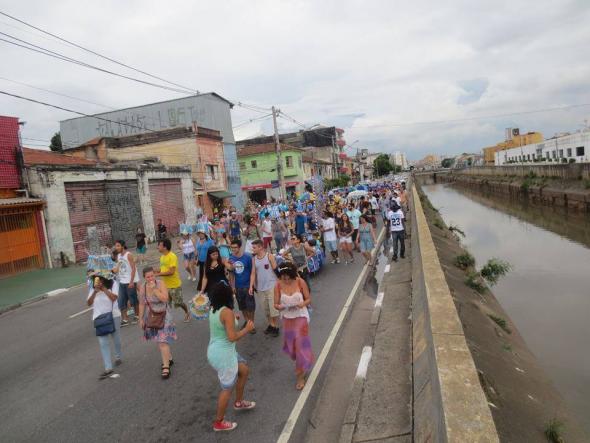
<point x="381" y="165"/>
<point x="447" y="162"/>
<point x="56" y="143"/>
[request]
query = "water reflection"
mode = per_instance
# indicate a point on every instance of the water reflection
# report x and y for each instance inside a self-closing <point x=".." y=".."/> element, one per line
<point x="546" y="294"/>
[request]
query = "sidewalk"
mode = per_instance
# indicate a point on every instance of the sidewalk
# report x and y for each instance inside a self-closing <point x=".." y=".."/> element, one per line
<point x="35" y="284"/>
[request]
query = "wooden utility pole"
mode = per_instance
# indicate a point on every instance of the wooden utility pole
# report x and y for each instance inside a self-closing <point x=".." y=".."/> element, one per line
<point x="278" y="152"/>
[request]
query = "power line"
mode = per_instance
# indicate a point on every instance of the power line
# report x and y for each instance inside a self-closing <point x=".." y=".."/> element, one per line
<point x="59" y="56"/>
<point x="190" y="90"/>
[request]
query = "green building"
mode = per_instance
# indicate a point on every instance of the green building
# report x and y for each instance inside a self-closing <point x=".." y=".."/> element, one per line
<point x="259" y="175"/>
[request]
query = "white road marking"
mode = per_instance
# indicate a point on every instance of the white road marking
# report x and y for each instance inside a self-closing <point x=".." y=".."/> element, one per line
<point x="361" y="371"/>
<point x="379" y="300"/>
<point x="115" y="375"/>
<point x="300" y="403"/>
<point x="387" y="268"/>
<point x="80" y="313"/>
<point x="56" y="292"/>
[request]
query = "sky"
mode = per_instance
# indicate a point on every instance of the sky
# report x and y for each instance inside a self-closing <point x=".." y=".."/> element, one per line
<point x="418" y="77"/>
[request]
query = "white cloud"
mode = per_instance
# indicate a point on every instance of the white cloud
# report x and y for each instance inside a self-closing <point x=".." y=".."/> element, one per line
<point x="357" y="64"/>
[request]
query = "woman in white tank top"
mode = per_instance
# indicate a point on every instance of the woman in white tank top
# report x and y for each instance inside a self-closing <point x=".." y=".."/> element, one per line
<point x="187" y="245"/>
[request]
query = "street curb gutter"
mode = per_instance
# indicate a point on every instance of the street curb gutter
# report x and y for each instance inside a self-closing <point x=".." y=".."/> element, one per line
<point x="29" y="301"/>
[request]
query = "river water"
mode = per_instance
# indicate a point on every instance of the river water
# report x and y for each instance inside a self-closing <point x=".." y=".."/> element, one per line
<point x="547" y="293"/>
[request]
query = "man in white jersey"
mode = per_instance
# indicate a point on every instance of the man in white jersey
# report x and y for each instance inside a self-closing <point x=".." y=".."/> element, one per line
<point x="128" y="278"/>
<point x="397" y="228"/>
<point x="266" y="279"/>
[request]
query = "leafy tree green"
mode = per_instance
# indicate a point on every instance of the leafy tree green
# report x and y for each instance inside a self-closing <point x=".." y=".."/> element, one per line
<point x="340" y="182"/>
<point x="382" y="166"/>
<point x="56" y="143"/>
<point x="447" y="162"/>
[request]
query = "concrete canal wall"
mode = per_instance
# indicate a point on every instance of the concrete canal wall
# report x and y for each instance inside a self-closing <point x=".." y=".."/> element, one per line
<point x="449" y="403"/>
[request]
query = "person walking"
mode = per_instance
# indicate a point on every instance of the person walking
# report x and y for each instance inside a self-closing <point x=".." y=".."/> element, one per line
<point x="232" y="370"/>
<point x="397" y="227"/>
<point x="345" y="233"/>
<point x="330" y="238"/>
<point x="354" y="215"/>
<point x="162" y="230"/>
<point x="103" y="300"/>
<point x="241" y="263"/>
<point x="235" y="231"/>
<point x="251" y="233"/>
<point x="366" y="238"/>
<point x="299" y="251"/>
<point x="128" y="277"/>
<point x="203" y="244"/>
<point x="188" y="248"/>
<point x="266" y="228"/>
<point x="214" y="270"/>
<point x="292" y="298"/>
<point x="140" y="245"/>
<point x="171" y="277"/>
<point x="265" y="280"/>
<point x="154" y="302"/>
<point x="280" y="231"/>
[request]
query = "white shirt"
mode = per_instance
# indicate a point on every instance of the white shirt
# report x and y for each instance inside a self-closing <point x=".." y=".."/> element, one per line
<point x="125" y="269"/>
<point x="103" y="304"/>
<point x="395" y="219"/>
<point x="266" y="227"/>
<point x="328" y="223"/>
<point x="374" y="203"/>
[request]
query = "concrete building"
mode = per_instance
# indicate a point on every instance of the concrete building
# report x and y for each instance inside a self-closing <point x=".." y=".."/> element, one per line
<point x="22" y="238"/>
<point x="431" y="161"/>
<point x="513" y="139"/>
<point x="199" y="148"/>
<point x="259" y="175"/>
<point x="565" y="148"/>
<point x="89" y="205"/>
<point x="208" y="110"/>
<point x="313" y="166"/>
<point x="399" y="158"/>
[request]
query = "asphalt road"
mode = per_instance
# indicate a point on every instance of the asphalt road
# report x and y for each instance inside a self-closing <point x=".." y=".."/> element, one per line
<point x="50" y="362"/>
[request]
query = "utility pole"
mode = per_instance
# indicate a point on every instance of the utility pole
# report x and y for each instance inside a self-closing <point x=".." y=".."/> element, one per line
<point x="334" y="160"/>
<point x="278" y="152"/>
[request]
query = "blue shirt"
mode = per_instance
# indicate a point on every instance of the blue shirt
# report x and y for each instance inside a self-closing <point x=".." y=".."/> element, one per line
<point x="202" y="249"/>
<point x="242" y="269"/>
<point x="300" y="221"/>
<point x="234" y="227"/>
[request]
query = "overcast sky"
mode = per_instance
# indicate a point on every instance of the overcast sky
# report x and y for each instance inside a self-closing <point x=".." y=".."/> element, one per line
<point x="373" y="68"/>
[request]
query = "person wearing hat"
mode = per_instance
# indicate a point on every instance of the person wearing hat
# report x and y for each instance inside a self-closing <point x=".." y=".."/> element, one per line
<point x="103" y="300"/>
<point x="188" y="247"/>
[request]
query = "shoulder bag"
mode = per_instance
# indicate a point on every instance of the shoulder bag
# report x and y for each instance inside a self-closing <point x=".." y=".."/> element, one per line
<point x="155" y="320"/>
<point x="104" y="323"/>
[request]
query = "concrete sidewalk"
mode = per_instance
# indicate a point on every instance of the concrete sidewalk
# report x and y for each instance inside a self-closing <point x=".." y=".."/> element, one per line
<point x="380" y="406"/>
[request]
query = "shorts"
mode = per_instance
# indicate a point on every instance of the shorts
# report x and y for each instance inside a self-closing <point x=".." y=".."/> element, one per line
<point x="175" y="296"/>
<point x="268" y="300"/>
<point x="229" y="376"/>
<point x="266" y="241"/>
<point x="345" y="240"/>
<point x="141" y="249"/>
<point x="190" y="256"/>
<point x="367" y="245"/>
<point x="246" y="302"/>
<point x="126" y="294"/>
<point x="355" y="235"/>
<point x="331" y="245"/>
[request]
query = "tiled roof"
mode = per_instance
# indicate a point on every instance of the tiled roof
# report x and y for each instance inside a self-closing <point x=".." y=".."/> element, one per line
<point x="264" y="148"/>
<point x="19" y="201"/>
<point x="310" y="159"/>
<point x="42" y="157"/>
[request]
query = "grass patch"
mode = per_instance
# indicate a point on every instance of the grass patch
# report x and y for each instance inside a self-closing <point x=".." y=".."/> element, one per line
<point x="586" y="184"/>
<point x="438" y="223"/>
<point x="506" y="347"/>
<point x="553" y="431"/>
<point x="494" y="269"/>
<point x="473" y="280"/>
<point x="464" y="261"/>
<point x="455" y="228"/>
<point x="500" y="322"/>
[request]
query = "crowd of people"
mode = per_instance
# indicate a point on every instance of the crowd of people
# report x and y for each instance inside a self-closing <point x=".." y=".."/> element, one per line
<point x="264" y="255"/>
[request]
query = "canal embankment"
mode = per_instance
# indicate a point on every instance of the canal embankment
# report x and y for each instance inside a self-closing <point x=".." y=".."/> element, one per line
<point x="566" y="186"/>
<point x="522" y="398"/>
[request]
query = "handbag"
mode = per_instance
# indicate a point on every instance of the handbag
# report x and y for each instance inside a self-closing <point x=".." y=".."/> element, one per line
<point x="104" y="323"/>
<point x="154" y="320"/>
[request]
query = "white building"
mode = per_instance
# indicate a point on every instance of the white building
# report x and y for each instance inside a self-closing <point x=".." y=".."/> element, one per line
<point x="567" y="148"/>
<point x="399" y="159"/>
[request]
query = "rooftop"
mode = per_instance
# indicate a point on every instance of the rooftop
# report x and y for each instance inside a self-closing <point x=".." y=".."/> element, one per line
<point x="20" y="201"/>
<point x="42" y="157"/>
<point x="265" y="148"/>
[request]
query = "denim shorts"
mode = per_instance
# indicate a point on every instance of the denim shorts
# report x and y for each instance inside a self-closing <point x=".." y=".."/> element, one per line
<point x="126" y="294"/>
<point x="229" y="376"/>
<point x="141" y="249"/>
<point x="246" y="302"/>
<point x="190" y="256"/>
<point x="331" y="245"/>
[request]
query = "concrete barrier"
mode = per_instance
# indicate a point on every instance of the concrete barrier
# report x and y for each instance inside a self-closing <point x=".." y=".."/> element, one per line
<point x="571" y="171"/>
<point x="449" y="403"/>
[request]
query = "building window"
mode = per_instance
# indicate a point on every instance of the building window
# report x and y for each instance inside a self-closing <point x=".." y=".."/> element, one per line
<point x="554" y="154"/>
<point x="300" y="162"/>
<point x="579" y="151"/>
<point x="212" y="172"/>
<point x="289" y="161"/>
<point x="528" y="157"/>
<point x="569" y="152"/>
<point x="561" y="153"/>
<point x="242" y="166"/>
<point x="253" y="164"/>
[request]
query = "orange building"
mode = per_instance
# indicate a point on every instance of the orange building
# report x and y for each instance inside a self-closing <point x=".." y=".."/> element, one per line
<point x="514" y="139"/>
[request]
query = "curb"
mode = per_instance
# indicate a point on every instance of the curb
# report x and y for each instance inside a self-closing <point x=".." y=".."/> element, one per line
<point x="29" y="301"/>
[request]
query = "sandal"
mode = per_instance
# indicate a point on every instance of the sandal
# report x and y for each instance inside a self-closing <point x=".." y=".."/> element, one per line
<point x="244" y="405"/>
<point x="165" y="372"/>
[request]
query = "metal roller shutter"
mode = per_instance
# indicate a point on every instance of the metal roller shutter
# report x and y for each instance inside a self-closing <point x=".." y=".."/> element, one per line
<point x="89" y="217"/>
<point x="123" y="204"/>
<point x="166" y="198"/>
